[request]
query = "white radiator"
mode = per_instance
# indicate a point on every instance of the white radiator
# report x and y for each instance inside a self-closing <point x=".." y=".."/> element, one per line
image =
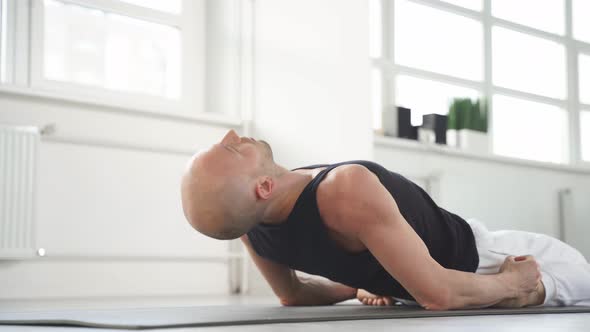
<point x="19" y="148"/>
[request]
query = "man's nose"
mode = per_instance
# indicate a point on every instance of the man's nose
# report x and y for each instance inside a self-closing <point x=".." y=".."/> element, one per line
<point x="231" y="137"/>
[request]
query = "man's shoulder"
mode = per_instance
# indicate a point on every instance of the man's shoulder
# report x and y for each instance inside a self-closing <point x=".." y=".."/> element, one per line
<point x="343" y="176"/>
<point x="340" y="192"/>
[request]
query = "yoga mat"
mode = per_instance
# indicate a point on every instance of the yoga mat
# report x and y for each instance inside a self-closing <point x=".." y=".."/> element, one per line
<point x="221" y="315"/>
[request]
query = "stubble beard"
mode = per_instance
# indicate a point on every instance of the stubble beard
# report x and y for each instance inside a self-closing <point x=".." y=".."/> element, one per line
<point x="268" y="150"/>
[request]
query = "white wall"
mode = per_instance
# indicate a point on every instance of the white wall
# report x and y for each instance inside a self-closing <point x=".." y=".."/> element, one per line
<point x="109" y="213"/>
<point x="312" y="79"/>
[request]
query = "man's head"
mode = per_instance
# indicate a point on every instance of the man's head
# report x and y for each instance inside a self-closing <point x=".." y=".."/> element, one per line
<point x="223" y="186"/>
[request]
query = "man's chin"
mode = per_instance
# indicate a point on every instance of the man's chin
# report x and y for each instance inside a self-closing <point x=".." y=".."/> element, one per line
<point x="267" y="148"/>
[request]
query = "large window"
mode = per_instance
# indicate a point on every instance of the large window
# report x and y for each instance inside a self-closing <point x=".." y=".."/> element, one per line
<point x="134" y="54"/>
<point x="125" y="46"/>
<point x="98" y="48"/>
<point x="532" y="70"/>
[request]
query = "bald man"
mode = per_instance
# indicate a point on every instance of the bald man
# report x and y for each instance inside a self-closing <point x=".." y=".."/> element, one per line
<point x="371" y="234"/>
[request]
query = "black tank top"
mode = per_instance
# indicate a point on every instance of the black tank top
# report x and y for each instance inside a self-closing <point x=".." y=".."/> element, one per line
<point x="302" y="242"/>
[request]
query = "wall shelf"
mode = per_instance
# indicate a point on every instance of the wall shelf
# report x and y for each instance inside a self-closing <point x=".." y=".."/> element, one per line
<point x="438" y="149"/>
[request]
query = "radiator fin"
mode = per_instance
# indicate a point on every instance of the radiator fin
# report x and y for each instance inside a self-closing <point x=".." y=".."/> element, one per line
<point x="19" y="148"/>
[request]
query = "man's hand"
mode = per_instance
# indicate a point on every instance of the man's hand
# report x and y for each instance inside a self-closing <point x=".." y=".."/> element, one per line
<point x="524" y="274"/>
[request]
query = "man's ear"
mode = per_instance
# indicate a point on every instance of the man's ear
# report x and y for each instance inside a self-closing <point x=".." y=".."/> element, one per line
<point x="264" y="187"/>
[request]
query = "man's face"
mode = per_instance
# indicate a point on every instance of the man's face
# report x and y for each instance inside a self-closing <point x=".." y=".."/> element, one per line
<point x="235" y="155"/>
<point x="220" y="179"/>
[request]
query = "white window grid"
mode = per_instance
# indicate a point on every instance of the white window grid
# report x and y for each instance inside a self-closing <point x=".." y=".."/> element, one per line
<point x="389" y="69"/>
<point x="23" y="71"/>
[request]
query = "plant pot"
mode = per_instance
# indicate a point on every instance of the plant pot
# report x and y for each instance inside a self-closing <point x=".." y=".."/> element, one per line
<point x="452" y="138"/>
<point x="468" y="140"/>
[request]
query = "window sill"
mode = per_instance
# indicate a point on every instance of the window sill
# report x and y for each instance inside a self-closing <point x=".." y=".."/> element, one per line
<point x="127" y="107"/>
<point x="431" y="148"/>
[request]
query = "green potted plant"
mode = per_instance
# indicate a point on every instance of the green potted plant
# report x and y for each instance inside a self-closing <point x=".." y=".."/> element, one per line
<point x="468" y="125"/>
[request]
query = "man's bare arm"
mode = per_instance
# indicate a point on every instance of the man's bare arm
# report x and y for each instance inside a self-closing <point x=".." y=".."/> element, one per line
<point x="512" y="277"/>
<point x="368" y="212"/>
<point x="406" y="258"/>
<point x="293" y="290"/>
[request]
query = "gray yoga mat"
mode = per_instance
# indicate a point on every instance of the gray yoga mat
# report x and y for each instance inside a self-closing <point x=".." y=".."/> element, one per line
<point x="201" y="316"/>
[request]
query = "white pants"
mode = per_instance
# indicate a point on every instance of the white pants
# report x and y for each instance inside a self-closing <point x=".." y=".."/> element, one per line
<point x="565" y="272"/>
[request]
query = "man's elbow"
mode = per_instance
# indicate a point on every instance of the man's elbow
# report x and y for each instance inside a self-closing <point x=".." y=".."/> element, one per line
<point x="441" y="300"/>
<point x="292" y="297"/>
<point x="288" y="302"/>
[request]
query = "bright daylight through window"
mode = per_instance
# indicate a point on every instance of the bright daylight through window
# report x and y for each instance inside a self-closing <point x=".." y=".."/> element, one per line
<point x="97" y="48"/>
<point x="549" y="15"/>
<point x="455" y="40"/>
<point x="470" y="4"/>
<point x="461" y="56"/>
<point x="522" y="70"/>
<point x="541" y="129"/>
<point x="170" y="6"/>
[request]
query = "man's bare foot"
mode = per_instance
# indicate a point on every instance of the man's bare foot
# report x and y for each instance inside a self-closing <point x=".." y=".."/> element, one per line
<point x="532" y="299"/>
<point x="372" y="299"/>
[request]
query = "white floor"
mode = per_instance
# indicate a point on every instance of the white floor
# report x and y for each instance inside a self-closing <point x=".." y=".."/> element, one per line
<point x="520" y="323"/>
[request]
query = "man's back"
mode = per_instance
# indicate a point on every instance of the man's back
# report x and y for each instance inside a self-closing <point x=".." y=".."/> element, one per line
<point x="303" y="243"/>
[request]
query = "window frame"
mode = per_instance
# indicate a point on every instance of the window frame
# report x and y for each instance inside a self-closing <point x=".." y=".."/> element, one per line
<point x="386" y="63"/>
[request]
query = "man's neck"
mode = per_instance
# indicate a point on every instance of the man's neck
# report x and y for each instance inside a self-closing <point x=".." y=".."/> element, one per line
<point x="288" y="187"/>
